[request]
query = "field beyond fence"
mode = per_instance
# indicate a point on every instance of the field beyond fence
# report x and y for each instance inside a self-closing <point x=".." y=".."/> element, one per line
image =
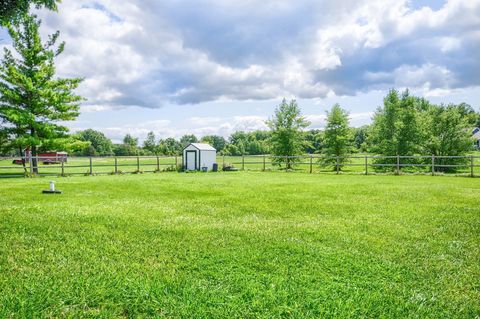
<point x="354" y="164"/>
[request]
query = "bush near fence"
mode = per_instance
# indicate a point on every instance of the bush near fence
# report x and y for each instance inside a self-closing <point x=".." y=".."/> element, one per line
<point x="357" y="164"/>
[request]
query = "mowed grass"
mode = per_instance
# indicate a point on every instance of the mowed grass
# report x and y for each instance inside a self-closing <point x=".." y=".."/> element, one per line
<point x="241" y="245"/>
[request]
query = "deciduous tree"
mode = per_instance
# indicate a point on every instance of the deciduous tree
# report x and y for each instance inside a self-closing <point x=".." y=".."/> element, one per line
<point x="11" y="10"/>
<point x="448" y="134"/>
<point x="337" y="142"/>
<point x="150" y="143"/>
<point x="287" y="133"/>
<point x="99" y="143"/>
<point x="397" y="126"/>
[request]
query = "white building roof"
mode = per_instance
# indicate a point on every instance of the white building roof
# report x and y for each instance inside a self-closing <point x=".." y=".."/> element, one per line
<point x="203" y="147"/>
<point x="476" y="133"/>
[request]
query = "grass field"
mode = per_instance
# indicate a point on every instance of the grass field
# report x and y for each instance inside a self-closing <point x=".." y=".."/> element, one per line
<point x="241" y="245"/>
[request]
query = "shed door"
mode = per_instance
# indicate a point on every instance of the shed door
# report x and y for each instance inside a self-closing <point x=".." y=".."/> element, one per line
<point x="191" y="160"/>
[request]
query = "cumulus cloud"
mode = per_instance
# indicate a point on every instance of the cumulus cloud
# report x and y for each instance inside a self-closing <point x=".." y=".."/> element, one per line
<point x="148" y="53"/>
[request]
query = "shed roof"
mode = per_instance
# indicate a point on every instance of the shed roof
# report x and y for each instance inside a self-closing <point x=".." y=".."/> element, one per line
<point x="203" y="147"/>
<point x="476" y="133"/>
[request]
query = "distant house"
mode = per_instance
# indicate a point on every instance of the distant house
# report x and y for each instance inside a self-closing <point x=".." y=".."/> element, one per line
<point x="476" y="136"/>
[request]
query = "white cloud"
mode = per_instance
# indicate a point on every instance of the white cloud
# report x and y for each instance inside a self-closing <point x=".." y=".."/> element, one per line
<point x="148" y="53"/>
<point x="208" y="120"/>
<point x="317" y="120"/>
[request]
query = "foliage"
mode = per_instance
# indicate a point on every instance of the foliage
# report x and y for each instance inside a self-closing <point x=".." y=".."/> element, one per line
<point x="71" y="144"/>
<point x="337" y="138"/>
<point x="129" y="147"/>
<point x="130" y="140"/>
<point x="448" y="134"/>
<point x="287" y="132"/>
<point x="150" y="143"/>
<point x="185" y="140"/>
<point x="360" y="137"/>
<point x="218" y="142"/>
<point x="468" y="112"/>
<point x="314" y="141"/>
<point x="11" y="10"/>
<point x="397" y="127"/>
<point x="33" y="102"/>
<point x="240" y="245"/>
<point x="170" y="146"/>
<point x="247" y="143"/>
<point x="100" y="145"/>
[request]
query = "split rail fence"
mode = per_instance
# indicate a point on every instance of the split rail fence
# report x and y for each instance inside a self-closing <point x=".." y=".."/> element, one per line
<point x="354" y="164"/>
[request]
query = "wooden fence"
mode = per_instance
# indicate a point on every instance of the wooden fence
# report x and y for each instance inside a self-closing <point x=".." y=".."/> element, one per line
<point x="358" y="164"/>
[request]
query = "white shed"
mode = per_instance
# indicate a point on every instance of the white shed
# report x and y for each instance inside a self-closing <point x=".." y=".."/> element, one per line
<point x="198" y="156"/>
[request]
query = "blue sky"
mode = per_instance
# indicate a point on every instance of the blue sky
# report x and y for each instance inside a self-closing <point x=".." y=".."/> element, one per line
<point x="216" y="66"/>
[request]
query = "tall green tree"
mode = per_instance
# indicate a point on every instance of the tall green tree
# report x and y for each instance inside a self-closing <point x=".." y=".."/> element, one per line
<point x="10" y="10"/>
<point x="150" y="143"/>
<point x="33" y="101"/>
<point x="287" y="127"/>
<point x="397" y="127"/>
<point x="337" y="142"/>
<point x="238" y="143"/>
<point x="448" y="134"/>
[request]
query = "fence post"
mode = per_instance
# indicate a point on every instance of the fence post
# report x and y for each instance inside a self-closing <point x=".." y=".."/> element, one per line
<point x="138" y="164"/>
<point x="91" y="166"/>
<point x="366" y="165"/>
<point x="338" y="165"/>
<point x="398" y="164"/>
<point x="30" y="163"/>
<point x="116" y="165"/>
<point x="176" y="161"/>
<point x="433" y="164"/>
<point x="243" y="162"/>
<point x="158" y="164"/>
<point x="63" y="168"/>
<point x="471" y="166"/>
<point x="311" y="163"/>
<point x="264" y="162"/>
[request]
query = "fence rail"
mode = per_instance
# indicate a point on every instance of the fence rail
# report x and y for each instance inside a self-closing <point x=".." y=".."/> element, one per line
<point x="359" y="164"/>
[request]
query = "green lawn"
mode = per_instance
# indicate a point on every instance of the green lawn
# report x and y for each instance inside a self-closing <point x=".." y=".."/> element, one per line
<point x="241" y="245"/>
